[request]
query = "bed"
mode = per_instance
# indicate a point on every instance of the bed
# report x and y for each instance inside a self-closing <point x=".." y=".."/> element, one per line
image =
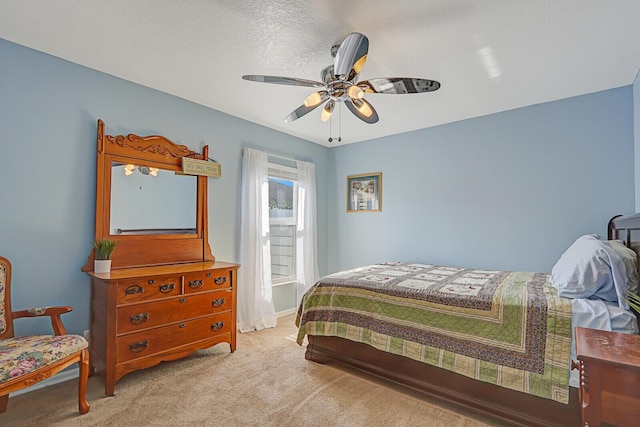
<point x="494" y="342"/>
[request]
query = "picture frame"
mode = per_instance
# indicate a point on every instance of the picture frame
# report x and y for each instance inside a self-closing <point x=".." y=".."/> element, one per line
<point x="364" y="192"/>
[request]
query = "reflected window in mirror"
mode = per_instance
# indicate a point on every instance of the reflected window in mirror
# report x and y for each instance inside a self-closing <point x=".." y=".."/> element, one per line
<point x="148" y="200"/>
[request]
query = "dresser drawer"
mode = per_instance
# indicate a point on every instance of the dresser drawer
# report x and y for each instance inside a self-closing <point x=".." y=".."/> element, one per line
<point x="145" y="289"/>
<point x="141" y="316"/>
<point x="153" y="341"/>
<point x="207" y="281"/>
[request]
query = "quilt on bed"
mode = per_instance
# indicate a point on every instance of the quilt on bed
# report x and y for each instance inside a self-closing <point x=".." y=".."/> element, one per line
<point x="506" y="328"/>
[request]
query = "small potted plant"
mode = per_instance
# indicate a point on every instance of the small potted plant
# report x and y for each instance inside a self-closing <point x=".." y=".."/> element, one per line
<point x="103" y="249"/>
<point x="633" y="300"/>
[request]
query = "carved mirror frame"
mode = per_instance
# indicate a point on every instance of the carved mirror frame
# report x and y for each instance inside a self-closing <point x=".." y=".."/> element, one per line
<point x="148" y="249"/>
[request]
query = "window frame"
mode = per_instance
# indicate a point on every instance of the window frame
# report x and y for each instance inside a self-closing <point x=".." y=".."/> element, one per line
<point x="283" y="172"/>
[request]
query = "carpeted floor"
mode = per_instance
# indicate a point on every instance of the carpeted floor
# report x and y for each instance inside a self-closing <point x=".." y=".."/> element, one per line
<point x="266" y="382"/>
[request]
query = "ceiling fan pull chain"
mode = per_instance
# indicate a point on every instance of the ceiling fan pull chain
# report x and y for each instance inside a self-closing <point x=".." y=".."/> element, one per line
<point x="330" y="138"/>
<point x="340" y="124"/>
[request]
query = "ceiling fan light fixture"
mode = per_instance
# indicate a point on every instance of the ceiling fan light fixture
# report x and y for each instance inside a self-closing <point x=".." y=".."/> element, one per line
<point x="355" y="91"/>
<point x="312" y="100"/>
<point x="363" y="107"/>
<point x="327" y="111"/>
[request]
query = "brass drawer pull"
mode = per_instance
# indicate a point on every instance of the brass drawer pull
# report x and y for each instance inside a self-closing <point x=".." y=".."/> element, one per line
<point x="140" y="318"/>
<point x="181" y="325"/>
<point x="139" y="346"/>
<point x="165" y="289"/>
<point x="195" y="284"/>
<point x="217" y="326"/>
<point x="183" y="300"/>
<point x="220" y="280"/>
<point x="209" y="274"/>
<point x="151" y="282"/>
<point x="217" y="302"/>
<point x="135" y="289"/>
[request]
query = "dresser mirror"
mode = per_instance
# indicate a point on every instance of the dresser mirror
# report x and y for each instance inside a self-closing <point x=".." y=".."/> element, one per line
<point x="139" y="189"/>
<point x="157" y="214"/>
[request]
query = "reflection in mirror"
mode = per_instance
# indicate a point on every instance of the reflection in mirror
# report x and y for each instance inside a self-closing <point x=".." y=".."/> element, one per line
<point x="147" y="200"/>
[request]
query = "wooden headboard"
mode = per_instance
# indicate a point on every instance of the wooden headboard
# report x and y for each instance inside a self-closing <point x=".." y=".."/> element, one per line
<point x="627" y="229"/>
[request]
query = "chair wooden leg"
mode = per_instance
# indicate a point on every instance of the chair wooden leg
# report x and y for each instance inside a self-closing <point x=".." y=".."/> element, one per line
<point x="83" y="378"/>
<point x="4" y="399"/>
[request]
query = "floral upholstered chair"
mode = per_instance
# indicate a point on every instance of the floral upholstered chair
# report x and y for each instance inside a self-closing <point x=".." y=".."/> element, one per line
<point x="27" y="360"/>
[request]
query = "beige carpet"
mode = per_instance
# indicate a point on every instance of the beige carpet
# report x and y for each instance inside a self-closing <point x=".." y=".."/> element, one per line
<point x="266" y="382"/>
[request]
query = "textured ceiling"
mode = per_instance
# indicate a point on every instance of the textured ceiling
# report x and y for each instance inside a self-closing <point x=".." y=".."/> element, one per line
<point x="489" y="55"/>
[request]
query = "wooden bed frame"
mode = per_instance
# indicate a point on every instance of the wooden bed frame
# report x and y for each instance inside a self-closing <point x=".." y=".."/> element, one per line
<point x="483" y="398"/>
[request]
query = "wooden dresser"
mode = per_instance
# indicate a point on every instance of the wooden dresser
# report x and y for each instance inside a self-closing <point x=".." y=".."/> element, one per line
<point x="142" y="316"/>
<point x="609" y="364"/>
<point x="166" y="296"/>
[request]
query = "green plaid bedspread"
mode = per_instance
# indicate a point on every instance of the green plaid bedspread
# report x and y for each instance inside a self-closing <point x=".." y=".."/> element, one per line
<point x="506" y="328"/>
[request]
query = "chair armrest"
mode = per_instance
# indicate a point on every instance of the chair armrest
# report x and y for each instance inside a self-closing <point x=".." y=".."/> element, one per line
<point x="53" y="312"/>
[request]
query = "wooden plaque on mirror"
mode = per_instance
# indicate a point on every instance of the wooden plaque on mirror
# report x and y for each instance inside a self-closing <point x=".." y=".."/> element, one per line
<point x="149" y="239"/>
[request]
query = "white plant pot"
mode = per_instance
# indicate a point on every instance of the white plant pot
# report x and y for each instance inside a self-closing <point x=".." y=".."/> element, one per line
<point x="101" y="265"/>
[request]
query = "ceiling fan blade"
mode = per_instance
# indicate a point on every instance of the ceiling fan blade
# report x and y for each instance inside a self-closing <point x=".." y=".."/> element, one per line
<point x="362" y="110"/>
<point x="399" y="85"/>
<point x="351" y="56"/>
<point x="303" y="109"/>
<point x="282" y="80"/>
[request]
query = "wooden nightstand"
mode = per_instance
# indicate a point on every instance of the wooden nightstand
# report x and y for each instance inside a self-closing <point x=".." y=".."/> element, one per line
<point x="609" y="364"/>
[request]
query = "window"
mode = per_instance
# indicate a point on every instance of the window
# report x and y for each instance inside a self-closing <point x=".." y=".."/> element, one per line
<point x="283" y="190"/>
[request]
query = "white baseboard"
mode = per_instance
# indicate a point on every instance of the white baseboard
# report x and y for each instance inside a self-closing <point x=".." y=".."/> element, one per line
<point x="286" y="312"/>
<point x="66" y="375"/>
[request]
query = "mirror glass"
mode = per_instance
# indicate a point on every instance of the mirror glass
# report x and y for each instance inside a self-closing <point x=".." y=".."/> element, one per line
<point x="147" y="200"/>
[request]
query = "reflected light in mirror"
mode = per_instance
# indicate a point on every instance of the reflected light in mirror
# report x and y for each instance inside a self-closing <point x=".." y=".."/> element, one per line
<point x="144" y="170"/>
<point x="152" y="201"/>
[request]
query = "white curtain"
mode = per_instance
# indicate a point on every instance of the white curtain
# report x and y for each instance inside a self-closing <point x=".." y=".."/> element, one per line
<point x="255" y="303"/>
<point x="306" y="235"/>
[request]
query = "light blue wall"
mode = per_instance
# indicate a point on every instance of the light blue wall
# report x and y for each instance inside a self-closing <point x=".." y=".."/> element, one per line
<point x="48" y="114"/>
<point x="510" y="190"/>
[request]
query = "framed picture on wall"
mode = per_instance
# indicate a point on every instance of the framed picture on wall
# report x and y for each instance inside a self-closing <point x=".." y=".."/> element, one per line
<point x="364" y="192"/>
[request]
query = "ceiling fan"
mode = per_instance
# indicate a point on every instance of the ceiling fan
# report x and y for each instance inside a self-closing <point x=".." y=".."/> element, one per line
<point x="340" y="83"/>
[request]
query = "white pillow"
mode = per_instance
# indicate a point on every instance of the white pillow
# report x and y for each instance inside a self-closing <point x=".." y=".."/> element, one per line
<point x="590" y="268"/>
<point x="630" y="259"/>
